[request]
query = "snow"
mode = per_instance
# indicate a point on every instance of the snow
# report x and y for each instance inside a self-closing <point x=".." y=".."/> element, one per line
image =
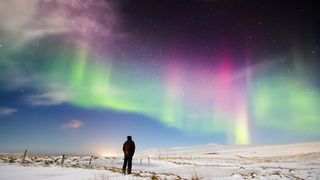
<point x="210" y="161"/>
<point x="16" y="172"/>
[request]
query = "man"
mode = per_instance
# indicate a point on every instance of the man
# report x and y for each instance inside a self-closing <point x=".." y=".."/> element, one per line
<point x="128" y="149"/>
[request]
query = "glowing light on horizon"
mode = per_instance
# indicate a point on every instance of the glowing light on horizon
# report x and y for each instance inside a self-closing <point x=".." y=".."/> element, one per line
<point x="105" y="152"/>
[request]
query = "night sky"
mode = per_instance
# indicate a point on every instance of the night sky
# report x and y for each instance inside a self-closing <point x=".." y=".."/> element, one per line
<point x="78" y="76"/>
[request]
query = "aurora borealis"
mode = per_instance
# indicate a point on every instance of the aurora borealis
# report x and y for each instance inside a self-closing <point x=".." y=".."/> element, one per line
<point x="83" y="74"/>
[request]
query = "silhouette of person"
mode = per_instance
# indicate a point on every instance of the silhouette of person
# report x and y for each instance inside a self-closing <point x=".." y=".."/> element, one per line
<point x="128" y="149"/>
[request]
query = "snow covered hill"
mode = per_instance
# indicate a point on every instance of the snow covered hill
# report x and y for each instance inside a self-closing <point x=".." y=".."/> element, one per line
<point x="212" y="161"/>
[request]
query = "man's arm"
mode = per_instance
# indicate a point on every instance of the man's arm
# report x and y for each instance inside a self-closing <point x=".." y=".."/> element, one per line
<point x="134" y="147"/>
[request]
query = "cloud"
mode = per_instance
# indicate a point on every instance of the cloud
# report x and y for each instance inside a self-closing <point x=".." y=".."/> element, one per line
<point x="7" y="111"/>
<point x="23" y="21"/>
<point x="49" y="98"/>
<point x="74" y="124"/>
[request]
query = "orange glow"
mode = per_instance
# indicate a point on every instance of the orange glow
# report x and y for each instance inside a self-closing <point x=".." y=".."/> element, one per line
<point x="106" y="151"/>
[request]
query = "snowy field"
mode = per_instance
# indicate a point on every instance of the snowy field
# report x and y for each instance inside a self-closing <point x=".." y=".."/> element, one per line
<point x="294" y="161"/>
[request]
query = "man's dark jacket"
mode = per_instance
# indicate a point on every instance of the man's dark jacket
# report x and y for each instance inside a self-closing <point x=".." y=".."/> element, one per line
<point x="129" y="148"/>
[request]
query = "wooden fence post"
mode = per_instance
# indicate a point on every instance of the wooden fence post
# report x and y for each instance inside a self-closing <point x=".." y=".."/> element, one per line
<point x="24" y="155"/>
<point x="90" y="160"/>
<point x="63" y="157"/>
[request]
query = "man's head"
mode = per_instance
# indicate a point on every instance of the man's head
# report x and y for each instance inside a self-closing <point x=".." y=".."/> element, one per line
<point x="129" y="137"/>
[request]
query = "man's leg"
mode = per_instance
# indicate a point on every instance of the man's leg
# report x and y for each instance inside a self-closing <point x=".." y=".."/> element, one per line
<point x="124" y="164"/>
<point x="129" y="164"/>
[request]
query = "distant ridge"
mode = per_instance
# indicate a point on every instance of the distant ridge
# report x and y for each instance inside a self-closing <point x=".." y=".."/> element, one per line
<point x="240" y="150"/>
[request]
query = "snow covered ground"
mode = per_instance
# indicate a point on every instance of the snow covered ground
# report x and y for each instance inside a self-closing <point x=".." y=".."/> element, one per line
<point x="16" y="172"/>
<point x="294" y="161"/>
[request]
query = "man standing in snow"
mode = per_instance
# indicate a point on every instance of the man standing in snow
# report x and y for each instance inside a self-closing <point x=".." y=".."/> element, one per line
<point x="128" y="149"/>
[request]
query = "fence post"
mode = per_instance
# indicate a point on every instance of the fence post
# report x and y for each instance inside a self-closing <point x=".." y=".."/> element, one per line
<point x="90" y="160"/>
<point x="24" y="155"/>
<point x="63" y="157"/>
